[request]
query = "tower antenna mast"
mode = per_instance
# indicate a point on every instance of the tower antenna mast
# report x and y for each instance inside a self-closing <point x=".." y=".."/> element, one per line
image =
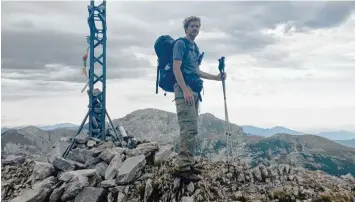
<point x="97" y="94"/>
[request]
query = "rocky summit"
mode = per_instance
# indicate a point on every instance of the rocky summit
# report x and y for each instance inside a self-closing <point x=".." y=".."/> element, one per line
<point x="102" y="171"/>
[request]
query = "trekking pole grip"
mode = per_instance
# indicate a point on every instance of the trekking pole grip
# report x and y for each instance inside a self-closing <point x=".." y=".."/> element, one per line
<point x="221" y="65"/>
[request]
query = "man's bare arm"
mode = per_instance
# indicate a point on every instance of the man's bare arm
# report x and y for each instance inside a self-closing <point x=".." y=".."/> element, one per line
<point x="207" y="75"/>
<point x="178" y="74"/>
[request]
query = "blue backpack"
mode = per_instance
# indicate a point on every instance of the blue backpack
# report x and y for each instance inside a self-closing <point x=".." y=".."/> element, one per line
<point x="163" y="47"/>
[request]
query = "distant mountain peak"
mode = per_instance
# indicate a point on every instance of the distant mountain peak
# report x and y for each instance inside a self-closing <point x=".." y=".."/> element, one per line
<point x="208" y="114"/>
<point x="31" y="128"/>
<point x="280" y="127"/>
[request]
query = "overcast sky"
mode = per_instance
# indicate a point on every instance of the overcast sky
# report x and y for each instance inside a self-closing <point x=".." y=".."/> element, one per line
<point x="289" y="63"/>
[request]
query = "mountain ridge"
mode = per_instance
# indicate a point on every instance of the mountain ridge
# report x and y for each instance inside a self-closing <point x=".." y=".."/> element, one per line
<point x="334" y="135"/>
<point x="309" y="151"/>
<point x="340" y="136"/>
<point x="161" y="126"/>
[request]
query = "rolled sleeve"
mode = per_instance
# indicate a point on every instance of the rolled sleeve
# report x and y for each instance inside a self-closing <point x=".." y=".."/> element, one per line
<point x="179" y="50"/>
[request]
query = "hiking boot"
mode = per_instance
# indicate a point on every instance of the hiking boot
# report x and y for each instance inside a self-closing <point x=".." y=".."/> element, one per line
<point x="186" y="176"/>
<point x="195" y="170"/>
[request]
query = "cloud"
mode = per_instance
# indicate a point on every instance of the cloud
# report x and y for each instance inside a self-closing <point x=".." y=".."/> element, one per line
<point x="60" y="38"/>
<point x="339" y="13"/>
<point x="286" y="60"/>
<point x="33" y="50"/>
<point x="308" y="50"/>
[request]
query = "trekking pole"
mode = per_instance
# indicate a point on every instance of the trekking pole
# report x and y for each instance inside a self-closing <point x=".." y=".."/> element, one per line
<point x="227" y="127"/>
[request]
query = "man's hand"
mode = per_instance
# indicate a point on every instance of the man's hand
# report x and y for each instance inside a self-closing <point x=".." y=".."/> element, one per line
<point x="221" y="76"/>
<point x="189" y="98"/>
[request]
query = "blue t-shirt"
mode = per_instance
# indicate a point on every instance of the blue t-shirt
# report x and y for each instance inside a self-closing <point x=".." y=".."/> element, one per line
<point x="190" y="64"/>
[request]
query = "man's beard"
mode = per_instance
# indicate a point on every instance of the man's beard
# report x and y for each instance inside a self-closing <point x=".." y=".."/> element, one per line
<point x="193" y="35"/>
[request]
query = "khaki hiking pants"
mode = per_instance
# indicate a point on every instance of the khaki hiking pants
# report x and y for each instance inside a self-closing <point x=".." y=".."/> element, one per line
<point x="188" y="123"/>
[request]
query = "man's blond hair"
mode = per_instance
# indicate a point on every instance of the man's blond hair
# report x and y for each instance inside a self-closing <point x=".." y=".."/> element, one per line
<point x="191" y="19"/>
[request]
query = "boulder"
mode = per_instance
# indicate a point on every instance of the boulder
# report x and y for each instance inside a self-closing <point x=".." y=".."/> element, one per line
<point x="82" y="138"/>
<point x="129" y="170"/>
<point x="101" y="168"/>
<point x="42" y="170"/>
<point x="144" y="149"/>
<point x="59" y="150"/>
<point x="67" y="176"/>
<point x="91" y="194"/>
<point x="113" y="167"/>
<point x="74" y="187"/>
<point x="57" y="192"/>
<point x="164" y="154"/>
<point x="63" y="164"/>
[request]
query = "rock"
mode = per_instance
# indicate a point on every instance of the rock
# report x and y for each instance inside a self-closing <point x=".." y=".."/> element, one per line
<point x="92" y="161"/>
<point x="119" y="150"/>
<point x="101" y="168"/>
<point x="264" y="172"/>
<point x="42" y="170"/>
<point x="91" y="194"/>
<point x="187" y="199"/>
<point x="163" y="155"/>
<point x="39" y="191"/>
<point x="271" y="172"/>
<point x="63" y="164"/>
<point x="348" y="177"/>
<point x="94" y="180"/>
<point x="281" y="169"/>
<point x="190" y="187"/>
<point x="290" y="177"/>
<point x="148" y="190"/>
<point x="74" y="187"/>
<point x="114" y="166"/>
<point x="257" y="174"/>
<point x="108" y="183"/>
<point x="95" y="139"/>
<point x="55" y="196"/>
<point x="299" y="180"/>
<point x="116" y="189"/>
<point x="82" y="138"/>
<point x="80" y="155"/>
<point x="67" y="176"/>
<point x="124" y="144"/>
<point x="110" y="197"/>
<point x="77" y="164"/>
<point x="13" y="160"/>
<point x="129" y="169"/>
<point x="58" y="151"/>
<point x="121" y="197"/>
<point x="122" y="131"/>
<point x="287" y="169"/>
<point x="241" y="178"/>
<point x="146" y="176"/>
<point x="238" y="195"/>
<point x="144" y="149"/>
<point x="105" y="145"/>
<point x="91" y="143"/>
<point x="107" y="155"/>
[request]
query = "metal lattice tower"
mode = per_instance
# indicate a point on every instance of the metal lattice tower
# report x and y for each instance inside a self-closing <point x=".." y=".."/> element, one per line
<point x="97" y="96"/>
<point x="97" y="75"/>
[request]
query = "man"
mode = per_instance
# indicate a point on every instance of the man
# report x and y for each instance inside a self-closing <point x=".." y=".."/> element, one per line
<point x="187" y="96"/>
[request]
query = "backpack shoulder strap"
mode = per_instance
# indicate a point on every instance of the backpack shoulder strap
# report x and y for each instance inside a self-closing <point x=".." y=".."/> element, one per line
<point x="198" y="50"/>
<point x="186" y="44"/>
